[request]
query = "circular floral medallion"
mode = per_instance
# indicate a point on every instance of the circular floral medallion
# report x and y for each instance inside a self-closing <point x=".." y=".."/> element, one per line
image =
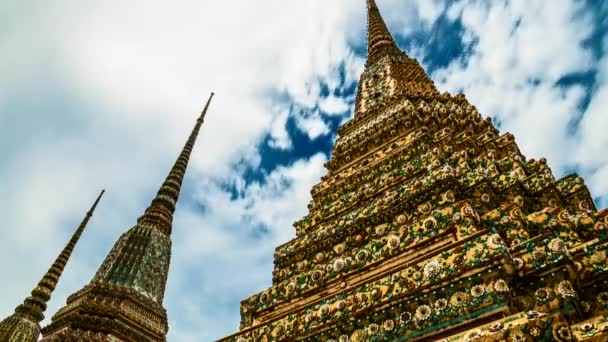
<point x="359" y="336"/>
<point x="565" y="289"/>
<point x="441" y="304"/>
<point x="388" y="325"/>
<point x="564" y="216"/>
<point x="339" y="265"/>
<point x="362" y="255"/>
<point x="320" y="256"/>
<point x="339" y="248"/>
<point x="449" y="196"/>
<point x="542" y="294"/>
<point x="584" y="205"/>
<point x="535" y="331"/>
<point x="459" y="299"/>
<point x="373" y="329"/>
<point x="430" y="223"/>
<point x="478" y="291"/>
<point x="425" y="208"/>
<point x="324" y="311"/>
<point x="381" y="229"/>
<point x="393" y="242"/>
<point x="401" y="219"/>
<point x="376" y="294"/>
<point x="557" y="246"/>
<point x="495" y="242"/>
<point x="518" y="263"/>
<point x="264" y="298"/>
<point x="562" y="333"/>
<point x="423" y="312"/>
<point x="501" y="286"/>
<point x="405" y="317"/>
<point x="602" y="298"/>
<point x="517" y="336"/>
<point x="432" y="268"/>
<point x="485" y="198"/>
<point x="316" y="276"/>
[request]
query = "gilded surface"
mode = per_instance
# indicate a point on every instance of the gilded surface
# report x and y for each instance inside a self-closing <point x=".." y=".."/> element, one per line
<point x="430" y="225"/>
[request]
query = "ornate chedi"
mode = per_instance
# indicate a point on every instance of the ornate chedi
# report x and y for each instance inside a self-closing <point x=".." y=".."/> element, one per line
<point x="24" y="324"/>
<point x="430" y="225"/>
<point x="124" y="300"/>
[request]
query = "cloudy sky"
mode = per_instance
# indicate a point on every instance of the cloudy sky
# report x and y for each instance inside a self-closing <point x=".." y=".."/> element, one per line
<point x="102" y="94"/>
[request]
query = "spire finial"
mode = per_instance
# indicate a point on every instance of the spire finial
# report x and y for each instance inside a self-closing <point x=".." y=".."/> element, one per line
<point x="380" y="42"/>
<point x="32" y="309"/>
<point x="160" y="211"/>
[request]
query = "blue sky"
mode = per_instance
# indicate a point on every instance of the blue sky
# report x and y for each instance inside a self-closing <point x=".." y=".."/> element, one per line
<point x="103" y="95"/>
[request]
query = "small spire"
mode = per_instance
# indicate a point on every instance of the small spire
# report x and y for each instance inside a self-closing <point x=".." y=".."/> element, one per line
<point x="34" y="306"/>
<point x="160" y="212"/>
<point x="36" y="303"/>
<point x="380" y="42"/>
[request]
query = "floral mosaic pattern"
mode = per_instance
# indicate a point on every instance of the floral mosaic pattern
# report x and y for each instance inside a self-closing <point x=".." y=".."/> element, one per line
<point x="430" y="222"/>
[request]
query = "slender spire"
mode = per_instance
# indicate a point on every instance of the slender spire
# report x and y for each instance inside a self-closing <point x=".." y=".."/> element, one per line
<point x="125" y="297"/>
<point x="161" y="209"/>
<point x="380" y="42"/>
<point x="32" y="309"/>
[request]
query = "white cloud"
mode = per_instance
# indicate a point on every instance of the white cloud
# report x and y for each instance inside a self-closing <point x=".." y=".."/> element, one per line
<point x="592" y="138"/>
<point x="312" y="124"/>
<point x="279" y="137"/>
<point x="514" y="68"/>
<point x="334" y="105"/>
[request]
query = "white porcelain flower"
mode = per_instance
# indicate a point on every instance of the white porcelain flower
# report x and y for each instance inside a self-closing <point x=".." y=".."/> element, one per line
<point x="432" y="268"/>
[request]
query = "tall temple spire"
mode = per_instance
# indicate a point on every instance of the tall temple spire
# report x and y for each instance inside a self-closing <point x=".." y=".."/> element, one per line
<point x="380" y="42"/>
<point x="160" y="212"/>
<point x="432" y="226"/>
<point x="124" y="300"/>
<point x="389" y="74"/>
<point x="23" y="325"/>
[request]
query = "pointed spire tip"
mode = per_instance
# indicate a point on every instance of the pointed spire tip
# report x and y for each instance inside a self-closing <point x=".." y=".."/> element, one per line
<point x="380" y="42"/>
<point x="103" y="191"/>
